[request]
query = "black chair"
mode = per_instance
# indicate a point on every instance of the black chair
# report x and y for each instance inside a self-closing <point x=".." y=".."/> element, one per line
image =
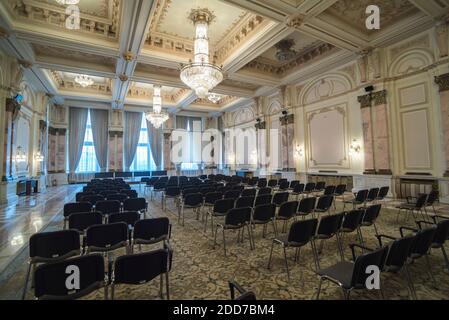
<point x="287" y="211"/>
<point x="359" y="199"/>
<point x="306" y="206"/>
<point x="441" y="235"/>
<point x="300" y="234"/>
<point x="383" y="192"/>
<point x="243" y="202"/>
<point x="138" y="269"/>
<point x="244" y="295"/>
<point x="80" y="195"/>
<point x="413" y="208"/>
<point x="351" y="223"/>
<point x="265" y="190"/>
<point x="328" y="228"/>
<point x="298" y="190"/>
<point x="309" y="188"/>
<point x="352" y="275"/>
<point x="319" y="187"/>
<point x="263" y="199"/>
<point x="209" y="200"/>
<point x="272" y="183"/>
<point x="82" y="221"/>
<point x="264" y="214"/>
<point x="431" y="199"/>
<point x="158" y="188"/>
<point x="129" y="217"/>
<point x="220" y="209"/>
<point x="369" y="219"/>
<point x="249" y="193"/>
<point x="172" y="192"/>
<point x="236" y="219"/>
<point x="279" y="198"/>
<point x="130" y="193"/>
<point x="107" y="237"/>
<point x="284" y="185"/>
<point x="192" y="201"/>
<point x="46" y="247"/>
<point x="324" y="204"/>
<point x="373" y="193"/>
<point x="150" y="183"/>
<point x="50" y="279"/>
<point x="293" y="184"/>
<point x="75" y="207"/>
<point x="329" y="191"/>
<point x="117" y="196"/>
<point x="262" y="183"/>
<point x="107" y="207"/>
<point x="151" y="231"/>
<point x="232" y="194"/>
<point x="339" y="192"/>
<point x="136" y="204"/>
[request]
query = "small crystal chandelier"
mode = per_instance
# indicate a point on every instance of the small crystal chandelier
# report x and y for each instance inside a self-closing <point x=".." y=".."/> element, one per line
<point x="39" y="157"/>
<point x="20" y="155"/>
<point x="84" y="81"/>
<point x="157" y="117"/>
<point x="214" y="97"/>
<point x="67" y="2"/>
<point x="200" y="75"/>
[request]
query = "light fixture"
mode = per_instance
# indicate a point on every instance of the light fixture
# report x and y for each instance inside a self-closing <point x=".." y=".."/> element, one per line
<point x="67" y="2"/>
<point x="39" y="157"/>
<point x="156" y="117"/>
<point x="354" y="148"/>
<point x="84" y="81"/>
<point x="298" y="152"/>
<point x="200" y="75"/>
<point x="20" y="155"/>
<point x="214" y="97"/>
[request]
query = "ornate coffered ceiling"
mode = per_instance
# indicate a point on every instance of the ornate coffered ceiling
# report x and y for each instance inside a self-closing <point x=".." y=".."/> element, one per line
<point x="127" y="46"/>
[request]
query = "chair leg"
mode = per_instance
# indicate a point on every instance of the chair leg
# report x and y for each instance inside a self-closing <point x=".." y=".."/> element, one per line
<point x="286" y="262"/>
<point x="167" y="285"/>
<point x="319" y="289"/>
<point x="161" y="284"/>
<point x="297" y="254"/>
<point x="224" y="241"/>
<point x="26" y="281"/>
<point x="112" y="292"/>
<point x="271" y="254"/>
<point x="275" y="229"/>
<point x="445" y="256"/>
<point x="410" y="283"/>
<point x="340" y="250"/>
<point x="315" y="255"/>
<point x="215" y="238"/>
<point x="429" y="271"/>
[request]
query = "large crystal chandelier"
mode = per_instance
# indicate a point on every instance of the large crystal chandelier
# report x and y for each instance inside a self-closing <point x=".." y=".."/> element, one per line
<point x="84" y="81"/>
<point x="67" y="2"/>
<point x="200" y="75"/>
<point x="156" y="117"/>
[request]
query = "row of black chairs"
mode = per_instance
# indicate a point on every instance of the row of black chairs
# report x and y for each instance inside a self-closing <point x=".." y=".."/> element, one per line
<point x="418" y="206"/>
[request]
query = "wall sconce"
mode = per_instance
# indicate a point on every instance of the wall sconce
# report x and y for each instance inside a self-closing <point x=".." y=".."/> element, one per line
<point x="298" y="152"/>
<point x="231" y="158"/>
<point x="354" y="148"/>
<point x="39" y="157"/>
<point x="20" y="155"/>
<point x="253" y="156"/>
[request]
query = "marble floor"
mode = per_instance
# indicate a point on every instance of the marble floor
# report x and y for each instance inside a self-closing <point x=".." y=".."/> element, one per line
<point x="201" y="272"/>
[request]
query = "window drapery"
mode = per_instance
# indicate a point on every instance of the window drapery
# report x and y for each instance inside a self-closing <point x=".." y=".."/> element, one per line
<point x="132" y="126"/>
<point x="100" y="119"/>
<point x="77" y="130"/>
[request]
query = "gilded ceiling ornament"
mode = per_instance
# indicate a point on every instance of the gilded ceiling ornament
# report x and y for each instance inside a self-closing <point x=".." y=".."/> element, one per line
<point x="24" y="63"/>
<point x="123" y="77"/>
<point x="128" y="56"/>
<point x="295" y="21"/>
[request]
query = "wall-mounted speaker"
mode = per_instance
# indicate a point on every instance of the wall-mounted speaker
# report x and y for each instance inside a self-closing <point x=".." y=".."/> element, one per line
<point x="369" y="89"/>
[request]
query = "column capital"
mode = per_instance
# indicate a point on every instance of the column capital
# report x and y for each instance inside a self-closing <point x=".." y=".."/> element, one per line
<point x="443" y="82"/>
<point x="365" y="101"/>
<point x="379" y="97"/>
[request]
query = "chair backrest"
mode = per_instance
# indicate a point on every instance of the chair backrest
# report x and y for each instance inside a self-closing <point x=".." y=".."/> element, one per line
<point x="76" y="207"/>
<point x="232" y="194"/>
<point x="280" y="197"/>
<point x="244" y="202"/>
<point x="320" y="185"/>
<point x="136" y="204"/>
<point x="54" y="245"/>
<point x="398" y="253"/>
<point x="82" y="221"/>
<point x="141" y="268"/>
<point x="223" y="205"/>
<point x="442" y="232"/>
<point x="262" y="183"/>
<point x="421" y="201"/>
<point x="329" y="225"/>
<point x="383" y="192"/>
<point x="173" y="191"/>
<point x="288" y="209"/>
<point x="264" y="212"/>
<point x="329" y="190"/>
<point x="263" y="199"/>
<point x="244" y="295"/>
<point x="50" y="279"/>
<point x="108" y="206"/>
<point x="107" y="236"/>
<point x="272" y="183"/>
<point x="293" y="183"/>
<point x="266" y="190"/>
<point x="372" y="194"/>
<point x="307" y="205"/>
<point x="299" y="188"/>
<point x="325" y="202"/>
<point x="361" y="196"/>
<point x="373" y="258"/>
<point x="352" y="219"/>
<point x="301" y="232"/>
<point x="193" y="199"/>
<point x="340" y="189"/>
<point x="117" y="196"/>
<point x="422" y="241"/>
<point x="129" y="217"/>
<point x="249" y="193"/>
<point x="310" y="187"/>
<point x="238" y="216"/>
<point x="152" y="229"/>
<point x="284" y="185"/>
<point x="432" y="198"/>
<point x="80" y="195"/>
<point x="130" y="193"/>
<point x="211" y="197"/>
<point x="371" y="214"/>
<point x="160" y="185"/>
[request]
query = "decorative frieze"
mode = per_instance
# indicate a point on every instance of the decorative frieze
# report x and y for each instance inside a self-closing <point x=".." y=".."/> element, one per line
<point x="261" y="125"/>
<point x="443" y="82"/>
<point x="379" y="97"/>
<point x="119" y="134"/>
<point x="287" y="119"/>
<point x="365" y="101"/>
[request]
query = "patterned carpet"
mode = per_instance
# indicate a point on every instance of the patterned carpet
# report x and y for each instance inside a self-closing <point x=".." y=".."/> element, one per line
<point x="200" y="272"/>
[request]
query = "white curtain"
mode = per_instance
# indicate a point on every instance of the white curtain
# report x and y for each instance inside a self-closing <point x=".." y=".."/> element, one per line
<point x="132" y="126"/>
<point x="77" y="131"/>
<point x="99" y="119"/>
<point x="155" y="140"/>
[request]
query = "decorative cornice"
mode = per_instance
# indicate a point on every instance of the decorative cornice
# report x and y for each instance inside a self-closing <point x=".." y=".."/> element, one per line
<point x="443" y="82"/>
<point x="365" y="101"/>
<point x="261" y="125"/>
<point x="379" y="97"/>
<point x="117" y="133"/>
<point x="287" y="119"/>
<point x="3" y="33"/>
<point x="24" y="63"/>
<point x="55" y="131"/>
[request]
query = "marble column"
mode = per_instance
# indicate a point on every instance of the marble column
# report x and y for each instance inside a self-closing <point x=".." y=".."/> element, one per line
<point x="380" y="133"/>
<point x="8" y="165"/>
<point x="261" y="144"/>
<point x="168" y="165"/>
<point x="443" y="83"/>
<point x="368" y="142"/>
<point x="287" y="137"/>
<point x="115" y="155"/>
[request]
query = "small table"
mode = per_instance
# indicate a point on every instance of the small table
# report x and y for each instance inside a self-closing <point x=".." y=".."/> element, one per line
<point x="27" y="187"/>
